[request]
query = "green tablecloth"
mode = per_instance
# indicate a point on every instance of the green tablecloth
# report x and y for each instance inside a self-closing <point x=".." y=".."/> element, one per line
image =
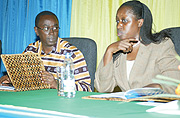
<point x="47" y="99"/>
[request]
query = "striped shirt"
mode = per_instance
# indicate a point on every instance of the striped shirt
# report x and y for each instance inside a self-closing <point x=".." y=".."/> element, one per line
<point x="56" y="58"/>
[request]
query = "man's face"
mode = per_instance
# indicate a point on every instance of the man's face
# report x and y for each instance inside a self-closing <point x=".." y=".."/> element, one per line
<point x="49" y="37"/>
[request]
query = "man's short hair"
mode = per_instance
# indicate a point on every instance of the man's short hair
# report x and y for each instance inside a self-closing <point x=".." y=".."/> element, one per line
<point x="42" y="14"/>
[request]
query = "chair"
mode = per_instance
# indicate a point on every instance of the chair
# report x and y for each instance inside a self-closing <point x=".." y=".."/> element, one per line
<point x="175" y="37"/>
<point x="89" y="49"/>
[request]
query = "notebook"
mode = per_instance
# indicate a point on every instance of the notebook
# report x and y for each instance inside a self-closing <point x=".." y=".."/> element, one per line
<point x="138" y="94"/>
<point x="23" y="71"/>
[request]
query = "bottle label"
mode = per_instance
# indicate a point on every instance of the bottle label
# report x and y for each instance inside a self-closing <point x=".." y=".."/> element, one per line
<point x="69" y="85"/>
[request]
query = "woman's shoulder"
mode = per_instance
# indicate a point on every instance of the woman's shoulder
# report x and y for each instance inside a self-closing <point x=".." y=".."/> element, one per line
<point x="161" y="47"/>
<point x="166" y="45"/>
<point x="166" y="41"/>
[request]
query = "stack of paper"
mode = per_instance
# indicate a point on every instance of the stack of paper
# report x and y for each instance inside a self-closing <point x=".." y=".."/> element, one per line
<point x="167" y="108"/>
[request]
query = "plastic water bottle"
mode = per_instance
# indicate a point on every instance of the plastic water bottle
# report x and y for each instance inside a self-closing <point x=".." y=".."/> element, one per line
<point x="60" y="82"/>
<point x="68" y="77"/>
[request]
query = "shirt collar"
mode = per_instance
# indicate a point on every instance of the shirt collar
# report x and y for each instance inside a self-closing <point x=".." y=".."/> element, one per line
<point x="40" y="51"/>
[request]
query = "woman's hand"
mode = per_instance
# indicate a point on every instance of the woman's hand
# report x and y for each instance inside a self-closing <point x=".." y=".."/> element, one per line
<point x="48" y="78"/>
<point x="125" y="45"/>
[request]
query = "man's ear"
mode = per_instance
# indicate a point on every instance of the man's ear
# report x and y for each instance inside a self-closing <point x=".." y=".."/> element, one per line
<point x="36" y="30"/>
<point x="140" y="22"/>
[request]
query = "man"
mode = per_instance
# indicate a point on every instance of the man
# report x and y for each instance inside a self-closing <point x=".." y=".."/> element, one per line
<point x="52" y="51"/>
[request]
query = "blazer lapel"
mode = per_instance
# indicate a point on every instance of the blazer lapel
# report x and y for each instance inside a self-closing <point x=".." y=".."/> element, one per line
<point x="139" y="64"/>
<point x="122" y="72"/>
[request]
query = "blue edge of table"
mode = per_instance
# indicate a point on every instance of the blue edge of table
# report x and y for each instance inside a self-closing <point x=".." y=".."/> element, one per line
<point x="47" y="99"/>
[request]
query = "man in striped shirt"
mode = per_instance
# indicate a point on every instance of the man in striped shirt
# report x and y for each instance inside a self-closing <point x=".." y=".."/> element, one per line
<point x="53" y="49"/>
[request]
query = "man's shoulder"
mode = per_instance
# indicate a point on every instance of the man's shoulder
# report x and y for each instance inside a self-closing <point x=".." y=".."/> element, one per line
<point x="32" y="47"/>
<point x="66" y="45"/>
<point x="36" y="43"/>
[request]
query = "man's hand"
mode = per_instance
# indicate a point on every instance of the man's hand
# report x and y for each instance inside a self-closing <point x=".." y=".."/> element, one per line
<point x="4" y="80"/>
<point x="48" y="78"/>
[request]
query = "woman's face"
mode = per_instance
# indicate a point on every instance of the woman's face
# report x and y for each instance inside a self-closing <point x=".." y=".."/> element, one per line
<point x="127" y="24"/>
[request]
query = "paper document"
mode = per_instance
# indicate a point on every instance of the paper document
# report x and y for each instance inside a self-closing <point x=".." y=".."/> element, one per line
<point x="167" y="108"/>
<point x="6" y="88"/>
<point x="111" y="95"/>
<point x="139" y="94"/>
<point x="133" y="93"/>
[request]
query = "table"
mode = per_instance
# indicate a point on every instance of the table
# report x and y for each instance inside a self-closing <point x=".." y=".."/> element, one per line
<point x="47" y="99"/>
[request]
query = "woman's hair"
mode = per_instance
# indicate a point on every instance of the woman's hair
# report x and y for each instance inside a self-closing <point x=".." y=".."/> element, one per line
<point x="141" y="11"/>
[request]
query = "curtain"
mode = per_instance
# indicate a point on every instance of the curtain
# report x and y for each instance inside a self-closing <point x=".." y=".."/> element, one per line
<point x="17" y="22"/>
<point x="95" y="19"/>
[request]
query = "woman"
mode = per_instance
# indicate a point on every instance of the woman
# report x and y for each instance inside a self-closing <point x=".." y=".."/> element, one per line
<point x="141" y="54"/>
